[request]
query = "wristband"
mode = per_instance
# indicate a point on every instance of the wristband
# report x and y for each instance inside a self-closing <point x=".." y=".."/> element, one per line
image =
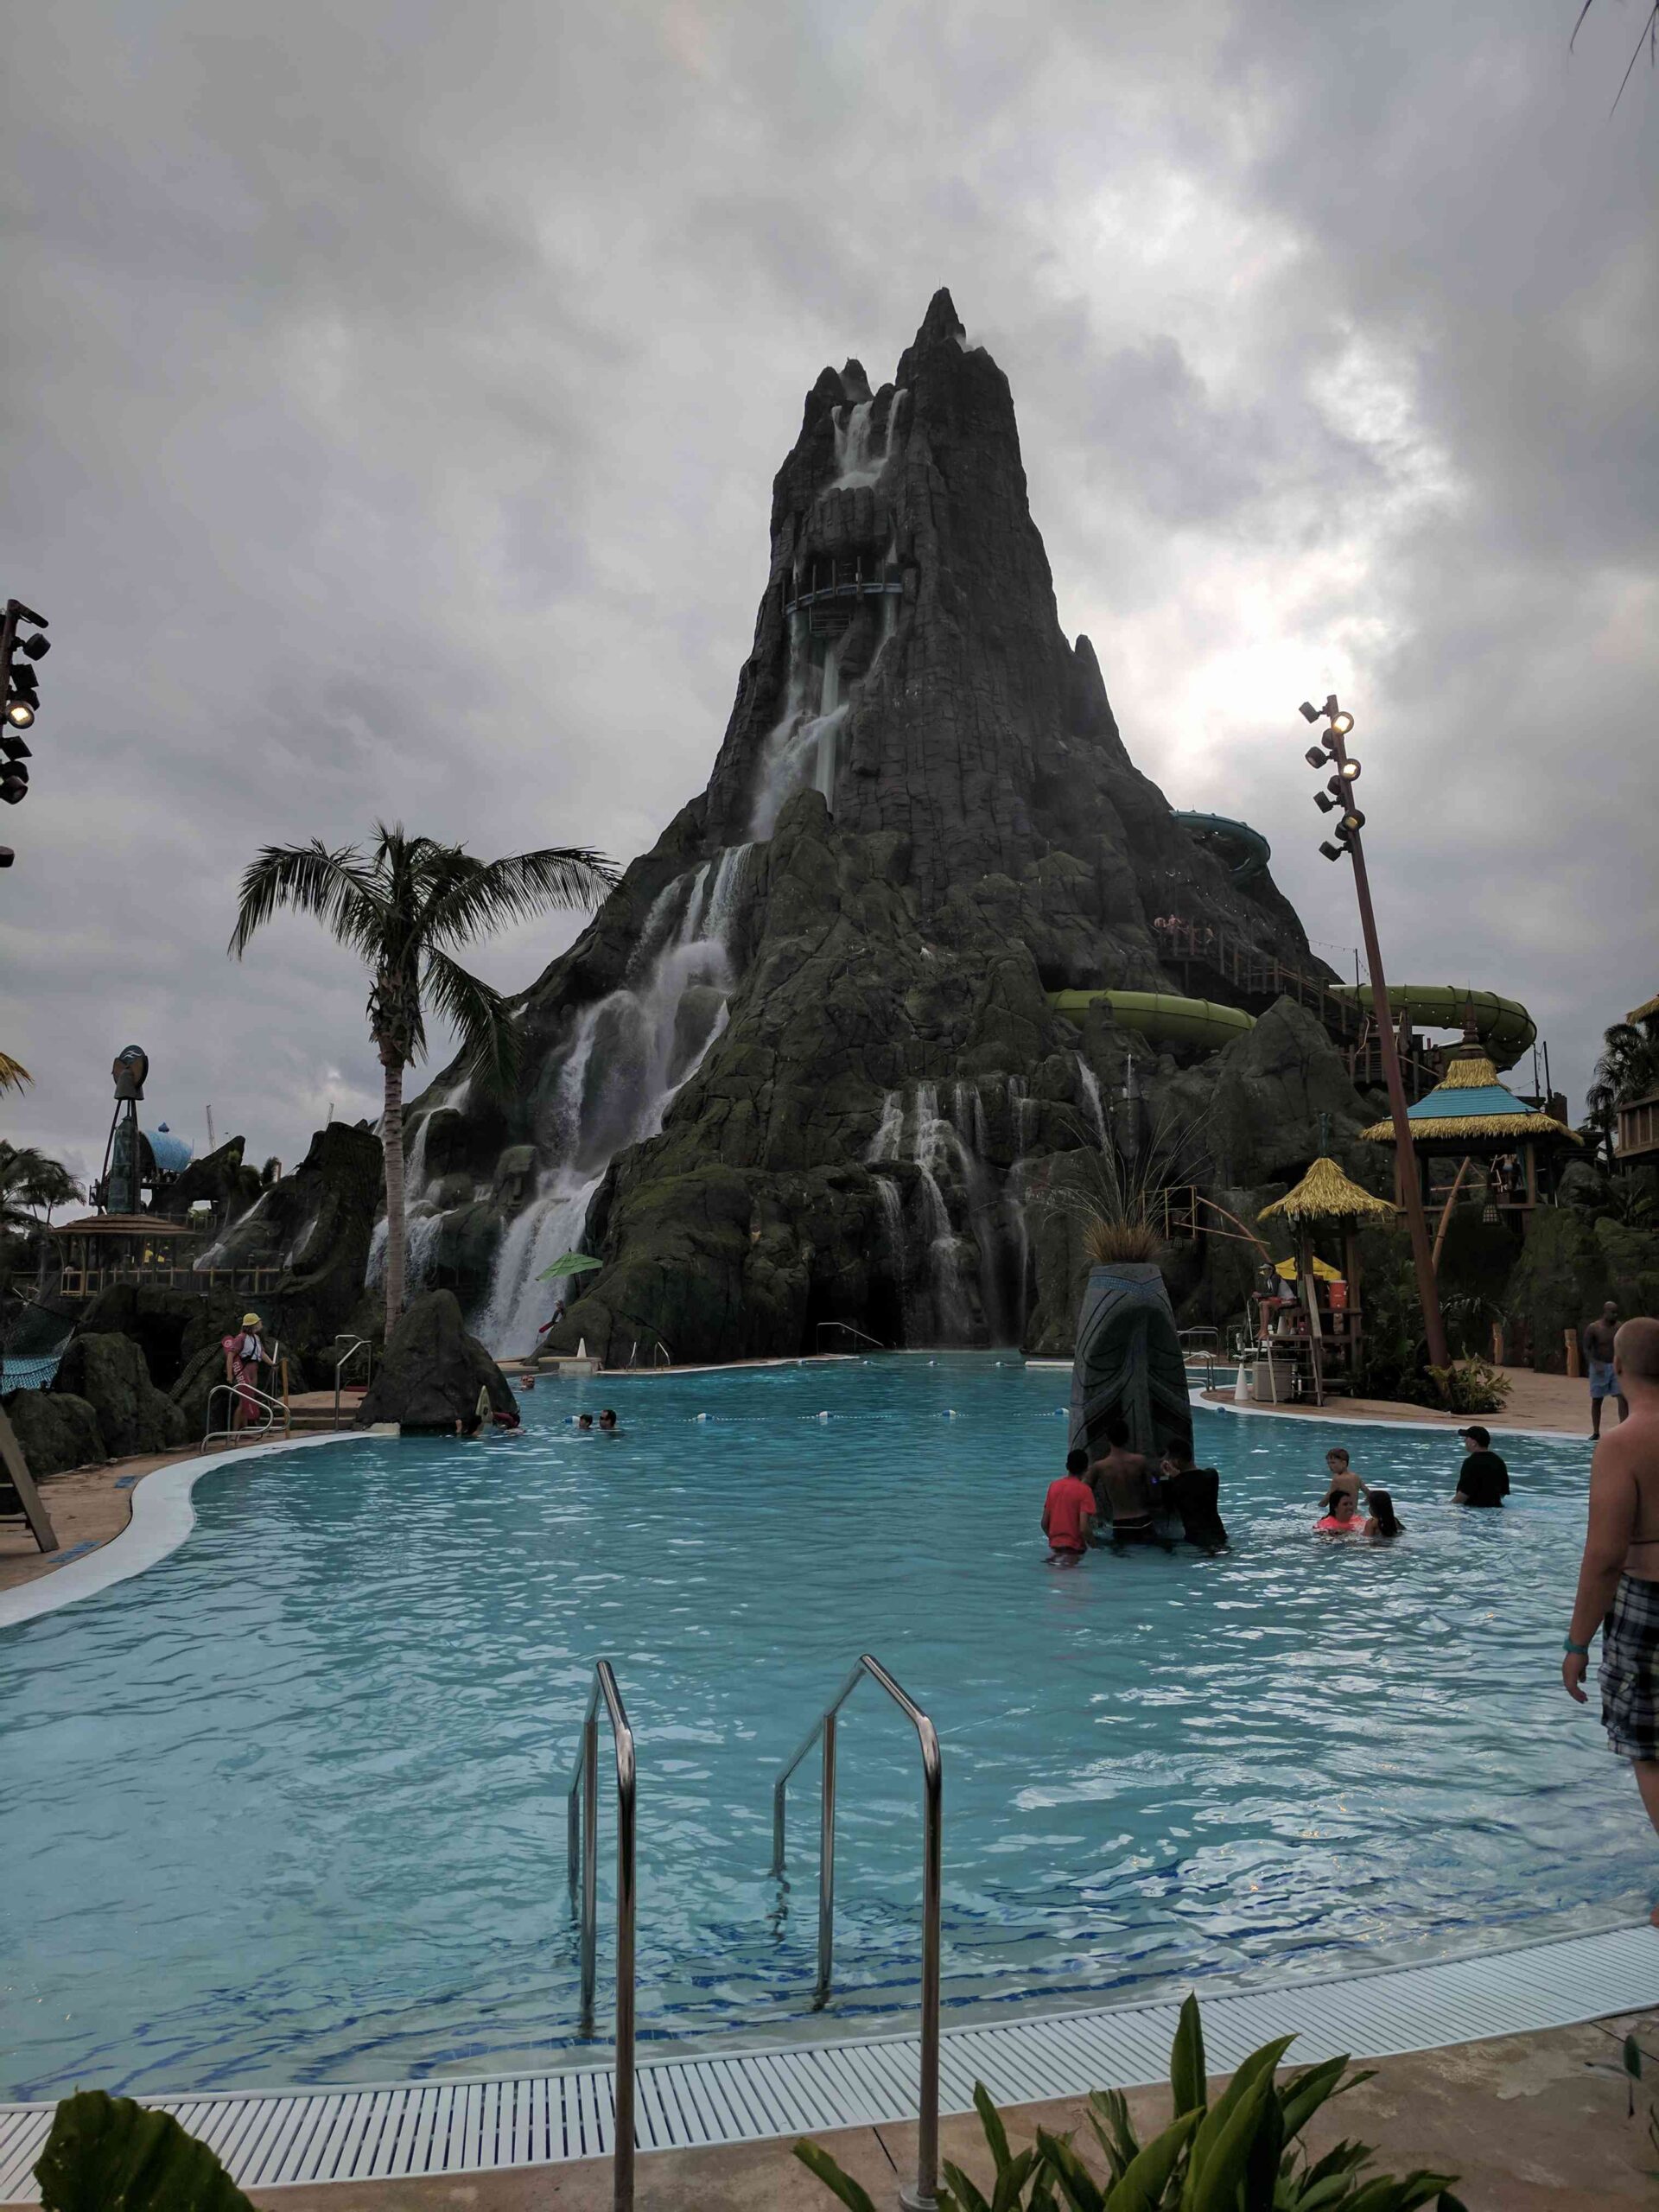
<point x="1579" y="1650"/>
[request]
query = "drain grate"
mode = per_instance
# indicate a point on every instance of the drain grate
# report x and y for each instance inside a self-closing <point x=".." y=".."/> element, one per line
<point x="267" y="2138"/>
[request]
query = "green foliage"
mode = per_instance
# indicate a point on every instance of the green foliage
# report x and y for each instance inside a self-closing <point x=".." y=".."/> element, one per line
<point x="1468" y="1386"/>
<point x="1628" y="1069"/>
<point x="404" y="907"/>
<point x="108" y="2154"/>
<point x="30" y="1180"/>
<point x="1239" y="2155"/>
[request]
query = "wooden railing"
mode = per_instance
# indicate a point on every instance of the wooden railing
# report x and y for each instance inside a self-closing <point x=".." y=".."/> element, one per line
<point x="87" y="1282"/>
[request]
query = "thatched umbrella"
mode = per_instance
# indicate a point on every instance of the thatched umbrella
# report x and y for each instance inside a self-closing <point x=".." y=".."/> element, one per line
<point x="1325" y="1194"/>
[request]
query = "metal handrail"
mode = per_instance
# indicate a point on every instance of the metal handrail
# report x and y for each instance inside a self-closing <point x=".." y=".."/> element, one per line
<point x="847" y="1329"/>
<point x="922" y="2198"/>
<point x="244" y="1390"/>
<point x="583" y="1853"/>
<point x="344" y="1359"/>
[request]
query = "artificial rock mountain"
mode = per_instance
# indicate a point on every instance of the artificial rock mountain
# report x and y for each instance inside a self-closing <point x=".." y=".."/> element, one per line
<point x="802" y="1067"/>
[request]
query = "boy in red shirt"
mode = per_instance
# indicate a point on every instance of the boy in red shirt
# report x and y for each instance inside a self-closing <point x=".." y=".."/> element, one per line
<point x="1069" y="1513"/>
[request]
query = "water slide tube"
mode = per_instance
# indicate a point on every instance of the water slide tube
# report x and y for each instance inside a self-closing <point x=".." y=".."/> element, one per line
<point x="1246" y="851"/>
<point x="1503" y="1025"/>
<point x="1159" y="1015"/>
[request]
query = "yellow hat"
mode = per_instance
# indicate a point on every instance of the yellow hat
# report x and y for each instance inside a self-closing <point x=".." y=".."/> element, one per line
<point x="251" y="1321"/>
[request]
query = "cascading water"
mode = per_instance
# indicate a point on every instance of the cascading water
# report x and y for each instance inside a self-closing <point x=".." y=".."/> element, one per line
<point x="1091" y="1092"/>
<point x="629" y="1053"/>
<point x="422" y="1221"/>
<point x="856" y="463"/>
<point x="973" y="1226"/>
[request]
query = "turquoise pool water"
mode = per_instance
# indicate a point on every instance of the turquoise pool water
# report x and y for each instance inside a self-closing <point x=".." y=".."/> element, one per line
<point x="289" y="1806"/>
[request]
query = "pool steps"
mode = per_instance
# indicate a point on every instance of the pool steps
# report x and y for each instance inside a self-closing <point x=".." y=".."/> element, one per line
<point x="480" y="2124"/>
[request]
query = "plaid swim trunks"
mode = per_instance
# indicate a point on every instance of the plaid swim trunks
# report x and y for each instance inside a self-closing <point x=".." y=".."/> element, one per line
<point x="1604" y="1383"/>
<point x="1629" y="1671"/>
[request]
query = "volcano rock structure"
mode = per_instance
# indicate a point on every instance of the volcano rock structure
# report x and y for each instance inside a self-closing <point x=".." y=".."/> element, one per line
<point x="801" y="1069"/>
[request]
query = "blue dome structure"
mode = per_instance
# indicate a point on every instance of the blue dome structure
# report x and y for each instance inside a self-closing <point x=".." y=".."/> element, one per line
<point x="171" y="1155"/>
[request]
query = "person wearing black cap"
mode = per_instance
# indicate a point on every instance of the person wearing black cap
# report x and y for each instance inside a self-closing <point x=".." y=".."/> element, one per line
<point x="1483" y="1479"/>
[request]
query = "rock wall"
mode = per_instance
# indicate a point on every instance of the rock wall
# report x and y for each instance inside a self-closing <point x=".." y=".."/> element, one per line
<point x="802" y="1067"/>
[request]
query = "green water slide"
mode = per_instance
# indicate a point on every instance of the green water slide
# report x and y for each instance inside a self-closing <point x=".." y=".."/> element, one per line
<point x="1160" y="1016"/>
<point x="1503" y="1025"/>
<point x="1246" y="851"/>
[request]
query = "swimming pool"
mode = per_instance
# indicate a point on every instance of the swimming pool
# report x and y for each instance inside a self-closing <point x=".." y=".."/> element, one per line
<point x="288" y="1806"/>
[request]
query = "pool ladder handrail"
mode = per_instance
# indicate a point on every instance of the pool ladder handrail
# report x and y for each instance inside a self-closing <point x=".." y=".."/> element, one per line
<point x="859" y="1336"/>
<point x="922" y="2198"/>
<point x="275" y="1410"/>
<point x="583" y="1855"/>
<point x="343" y="1360"/>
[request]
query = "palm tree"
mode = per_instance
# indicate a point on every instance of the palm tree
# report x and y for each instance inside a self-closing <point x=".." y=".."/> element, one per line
<point x="28" y="1181"/>
<point x="403" y="906"/>
<point x="1628" y="1069"/>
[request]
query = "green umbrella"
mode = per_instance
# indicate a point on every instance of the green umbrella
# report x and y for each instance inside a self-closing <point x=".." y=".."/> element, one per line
<point x="569" y="1263"/>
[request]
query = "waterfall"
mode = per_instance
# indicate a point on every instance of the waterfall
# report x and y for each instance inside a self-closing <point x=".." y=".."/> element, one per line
<point x="1091" y="1092"/>
<point x="420" y="1222"/>
<point x="627" y="1057"/>
<point x="853" y="429"/>
<point x="792" y="755"/>
<point x="955" y="1184"/>
<point x="936" y="1141"/>
<point x="855" y="464"/>
<point x="1025" y="1115"/>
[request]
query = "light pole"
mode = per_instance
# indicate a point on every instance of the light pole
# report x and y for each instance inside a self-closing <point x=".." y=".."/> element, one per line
<point x="1332" y="751"/>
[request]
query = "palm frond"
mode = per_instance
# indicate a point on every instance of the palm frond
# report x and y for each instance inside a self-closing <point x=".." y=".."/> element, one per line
<point x="336" y="886"/>
<point x="479" y="1016"/>
<point x="13" y="1074"/>
<point x="485" y="895"/>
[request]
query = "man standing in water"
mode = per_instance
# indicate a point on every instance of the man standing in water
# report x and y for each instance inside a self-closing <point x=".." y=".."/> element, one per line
<point x="1603" y="1382"/>
<point x="1123" y="1482"/>
<point x="1618" y="1579"/>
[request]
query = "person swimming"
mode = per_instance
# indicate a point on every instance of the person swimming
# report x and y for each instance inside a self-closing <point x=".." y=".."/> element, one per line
<point x="1385" y="1522"/>
<point x="1345" y="1488"/>
<point x="607" y="1422"/>
<point x="584" y="1424"/>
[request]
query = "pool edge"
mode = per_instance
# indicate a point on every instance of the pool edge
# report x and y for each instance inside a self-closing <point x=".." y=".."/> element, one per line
<point x="163" y="1517"/>
<point x="476" y="2124"/>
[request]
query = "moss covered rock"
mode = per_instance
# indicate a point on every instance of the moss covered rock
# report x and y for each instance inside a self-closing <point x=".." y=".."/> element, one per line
<point x="57" y="1430"/>
<point x="109" y="1372"/>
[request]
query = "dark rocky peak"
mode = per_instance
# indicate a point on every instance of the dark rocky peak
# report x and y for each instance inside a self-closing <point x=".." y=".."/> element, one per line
<point x="854" y="382"/>
<point x="941" y="320"/>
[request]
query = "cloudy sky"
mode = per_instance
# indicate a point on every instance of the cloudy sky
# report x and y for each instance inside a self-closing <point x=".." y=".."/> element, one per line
<point x="393" y="393"/>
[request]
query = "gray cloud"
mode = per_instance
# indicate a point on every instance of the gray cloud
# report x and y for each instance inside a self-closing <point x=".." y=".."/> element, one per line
<point x="393" y="399"/>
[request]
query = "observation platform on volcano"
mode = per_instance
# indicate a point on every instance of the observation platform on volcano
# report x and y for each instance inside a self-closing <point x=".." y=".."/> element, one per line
<point x="831" y="586"/>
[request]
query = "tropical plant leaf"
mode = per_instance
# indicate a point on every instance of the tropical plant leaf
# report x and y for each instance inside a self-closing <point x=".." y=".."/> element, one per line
<point x="1141" y="2185"/>
<point x="1253" y="2073"/>
<point x="967" y="2192"/>
<point x="1108" y="2116"/>
<point x="991" y="2120"/>
<point x="1082" y="2192"/>
<point x="816" y="2160"/>
<point x="1309" y="2091"/>
<point x="111" y="2154"/>
<point x="1226" y="2133"/>
<point x="1188" y="2081"/>
<point x="1011" y="2184"/>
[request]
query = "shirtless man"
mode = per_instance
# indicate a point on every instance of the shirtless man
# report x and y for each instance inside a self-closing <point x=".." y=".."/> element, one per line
<point x="1598" y="1351"/>
<point x="1123" y="1482"/>
<point x="1619" y="1580"/>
